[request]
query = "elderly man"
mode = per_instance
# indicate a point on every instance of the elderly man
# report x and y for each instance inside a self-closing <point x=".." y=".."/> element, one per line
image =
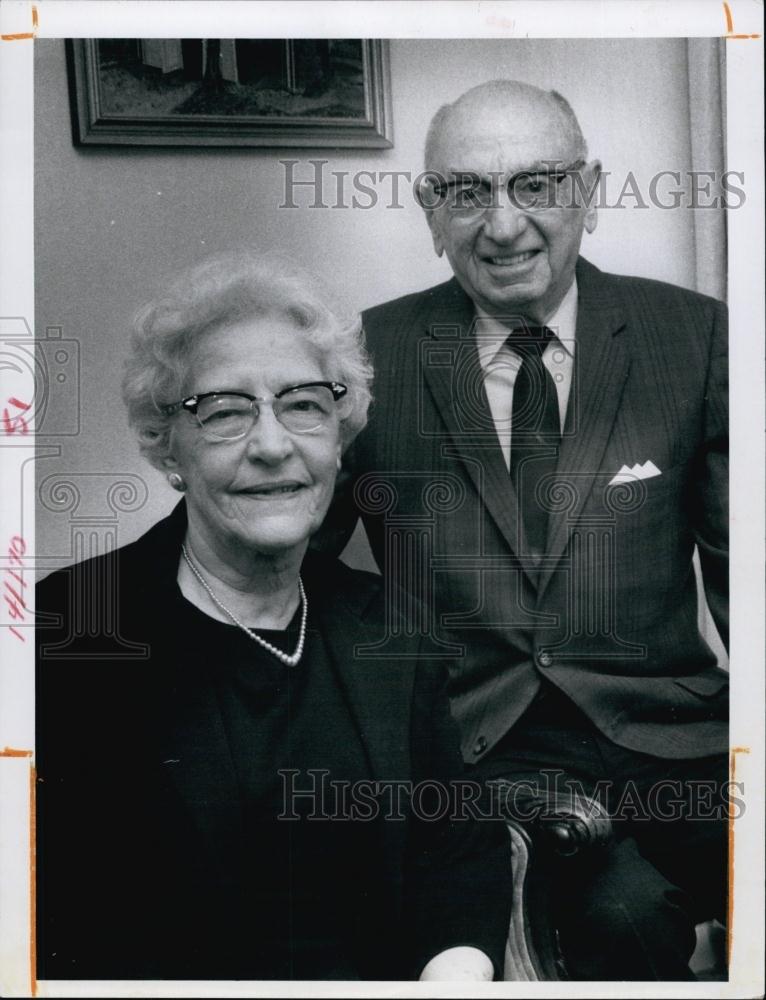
<point x="548" y="447"/>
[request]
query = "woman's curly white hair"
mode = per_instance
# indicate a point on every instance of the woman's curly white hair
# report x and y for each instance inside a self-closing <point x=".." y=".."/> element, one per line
<point x="223" y="289"/>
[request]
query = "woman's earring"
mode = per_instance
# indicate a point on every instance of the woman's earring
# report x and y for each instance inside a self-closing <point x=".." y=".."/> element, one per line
<point x="177" y="481"/>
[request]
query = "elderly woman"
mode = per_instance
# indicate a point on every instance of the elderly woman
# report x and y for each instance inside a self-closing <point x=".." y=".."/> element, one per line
<point x="213" y="756"/>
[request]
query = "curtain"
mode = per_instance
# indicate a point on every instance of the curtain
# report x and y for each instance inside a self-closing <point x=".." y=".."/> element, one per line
<point x="707" y="130"/>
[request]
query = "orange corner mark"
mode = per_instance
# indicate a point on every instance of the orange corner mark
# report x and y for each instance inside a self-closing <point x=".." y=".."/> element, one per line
<point x="730" y="24"/>
<point x="730" y="908"/>
<point x="32" y="883"/>
<point x="11" y="752"/>
<point x="21" y="36"/>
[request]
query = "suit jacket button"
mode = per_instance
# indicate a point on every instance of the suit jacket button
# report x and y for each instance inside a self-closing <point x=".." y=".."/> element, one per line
<point x="544" y="659"/>
<point x="480" y="745"/>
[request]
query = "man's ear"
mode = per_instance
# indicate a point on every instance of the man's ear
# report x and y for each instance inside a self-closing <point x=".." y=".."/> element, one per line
<point x="425" y="198"/>
<point x="436" y="235"/>
<point x="591" y="175"/>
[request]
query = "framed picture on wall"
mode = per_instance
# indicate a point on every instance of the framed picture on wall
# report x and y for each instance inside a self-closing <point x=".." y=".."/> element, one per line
<point x="230" y="92"/>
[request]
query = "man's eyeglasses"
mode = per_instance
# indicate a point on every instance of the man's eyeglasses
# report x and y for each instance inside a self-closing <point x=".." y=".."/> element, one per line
<point x="531" y="190"/>
<point x="228" y="416"/>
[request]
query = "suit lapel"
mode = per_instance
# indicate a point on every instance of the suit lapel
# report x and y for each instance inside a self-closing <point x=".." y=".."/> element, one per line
<point x="602" y="361"/>
<point x="197" y="763"/>
<point x="193" y="756"/>
<point x="378" y="691"/>
<point x="379" y="695"/>
<point x="457" y="387"/>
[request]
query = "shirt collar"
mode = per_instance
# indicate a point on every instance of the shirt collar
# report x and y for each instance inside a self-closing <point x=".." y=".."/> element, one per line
<point x="491" y="334"/>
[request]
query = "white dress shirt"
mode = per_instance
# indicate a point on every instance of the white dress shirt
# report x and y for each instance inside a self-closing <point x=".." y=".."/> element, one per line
<point x="501" y="365"/>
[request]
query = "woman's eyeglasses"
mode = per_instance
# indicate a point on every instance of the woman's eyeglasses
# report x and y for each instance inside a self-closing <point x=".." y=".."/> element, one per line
<point x="228" y="416"/>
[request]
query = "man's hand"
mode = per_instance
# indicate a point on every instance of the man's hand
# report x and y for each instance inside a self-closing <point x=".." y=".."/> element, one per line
<point x="463" y="964"/>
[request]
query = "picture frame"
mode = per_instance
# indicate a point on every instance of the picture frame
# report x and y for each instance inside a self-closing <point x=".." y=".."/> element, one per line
<point x="230" y="92"/>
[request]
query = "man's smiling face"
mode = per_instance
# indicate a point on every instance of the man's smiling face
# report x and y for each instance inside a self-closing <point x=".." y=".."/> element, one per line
<point x="510" y="260"/>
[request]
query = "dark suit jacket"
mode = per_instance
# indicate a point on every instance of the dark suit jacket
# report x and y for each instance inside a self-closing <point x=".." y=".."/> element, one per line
<point x="139" y="854"/>
<point x="610" y="616"/>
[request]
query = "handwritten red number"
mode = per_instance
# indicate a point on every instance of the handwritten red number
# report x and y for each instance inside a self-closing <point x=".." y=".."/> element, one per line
<point x="16" y="549"/>
<point x="15" y="424"/>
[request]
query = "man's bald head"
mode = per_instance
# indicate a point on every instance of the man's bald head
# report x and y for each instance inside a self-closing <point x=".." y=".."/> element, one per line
<point x="519" y="104"/>
<point x="512" y="254"/>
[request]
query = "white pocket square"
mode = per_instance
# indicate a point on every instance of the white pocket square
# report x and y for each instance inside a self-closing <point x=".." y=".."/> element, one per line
<point x="626" y="475"/>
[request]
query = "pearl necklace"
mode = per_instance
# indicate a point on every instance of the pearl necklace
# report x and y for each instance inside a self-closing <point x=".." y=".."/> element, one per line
<point x="289" y="661"/>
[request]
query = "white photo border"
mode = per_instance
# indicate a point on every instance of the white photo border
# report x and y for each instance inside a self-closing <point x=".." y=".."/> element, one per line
<point x="741" y="23"/>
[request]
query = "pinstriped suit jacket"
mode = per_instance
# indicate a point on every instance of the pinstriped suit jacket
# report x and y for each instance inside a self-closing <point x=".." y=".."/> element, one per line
<point x="610" y="614"/>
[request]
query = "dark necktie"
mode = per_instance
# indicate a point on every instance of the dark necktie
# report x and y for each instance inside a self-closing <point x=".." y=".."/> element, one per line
<point x="535" y="431"/>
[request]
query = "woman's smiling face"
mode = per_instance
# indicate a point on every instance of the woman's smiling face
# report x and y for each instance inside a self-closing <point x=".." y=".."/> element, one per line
<point x="268" y="491"/>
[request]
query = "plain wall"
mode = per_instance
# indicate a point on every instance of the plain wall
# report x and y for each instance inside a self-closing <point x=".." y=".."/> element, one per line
<point x="112" y="222"/>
